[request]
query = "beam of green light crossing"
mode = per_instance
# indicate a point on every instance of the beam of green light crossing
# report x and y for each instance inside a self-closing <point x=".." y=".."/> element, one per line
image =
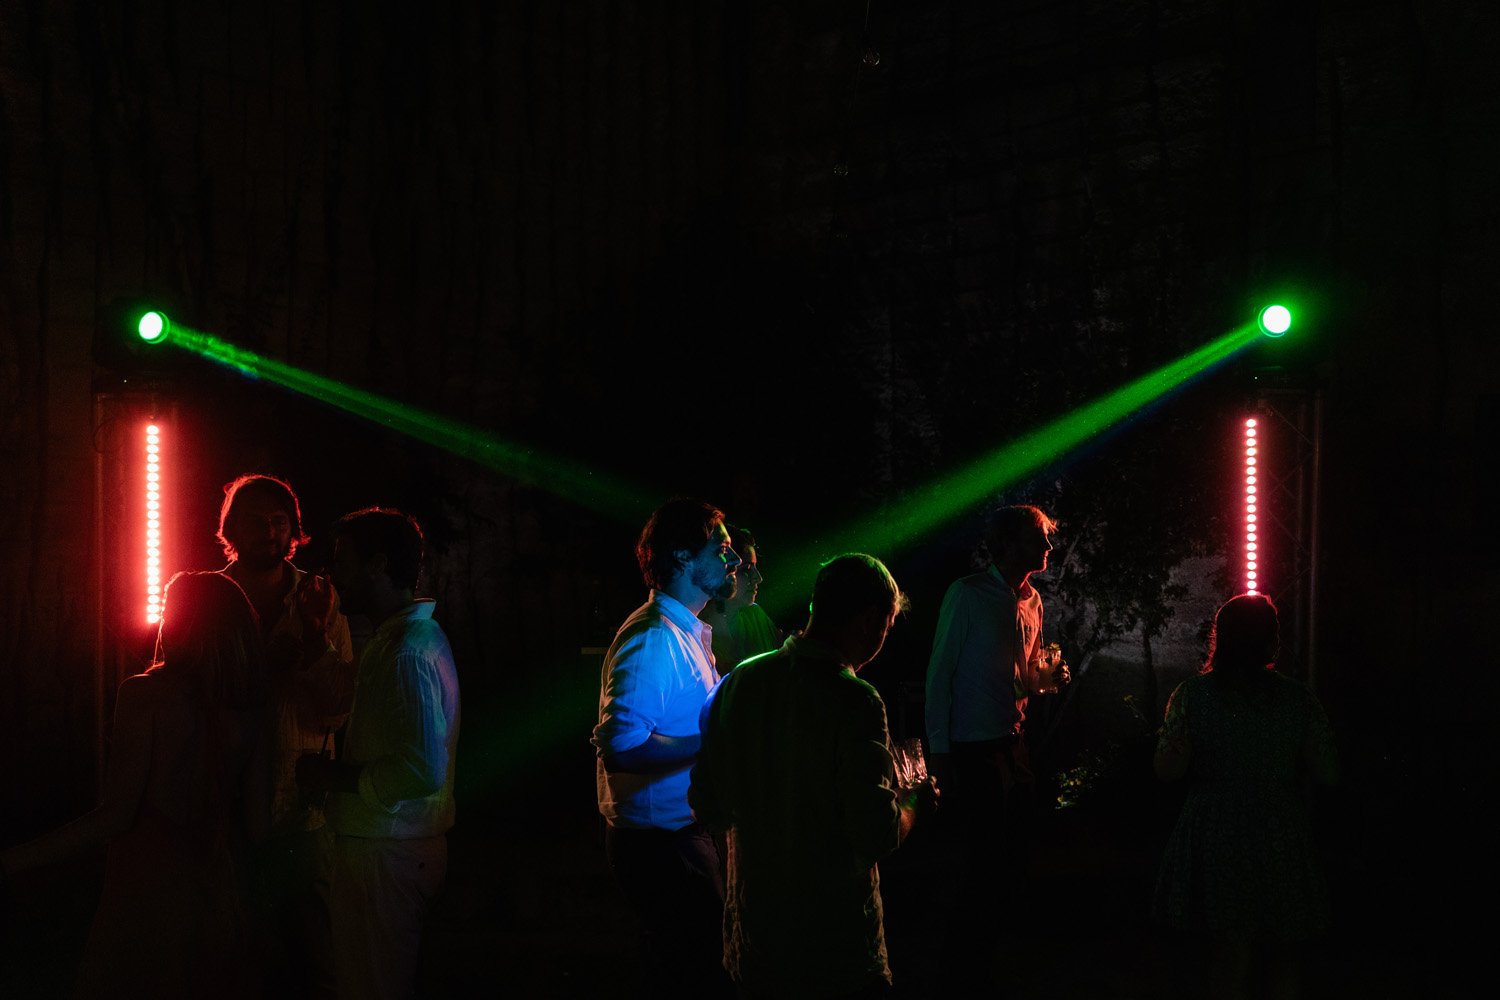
<point x="569" y="480"/>
<point x="906" y="520"/>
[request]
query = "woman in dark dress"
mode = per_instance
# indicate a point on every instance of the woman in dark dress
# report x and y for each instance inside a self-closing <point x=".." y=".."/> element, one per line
<point x="186" y="790"/>
<point x="1240" y="867"/>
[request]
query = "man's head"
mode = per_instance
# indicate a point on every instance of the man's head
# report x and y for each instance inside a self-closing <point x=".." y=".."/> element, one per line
<point x="748" y="574"/>
<point x="377" y="556"/>
<point x="687" y="536"/>
<point x="260" y="522"/>
<point x="1019" y="537"/>
<point x="855" y="603"/>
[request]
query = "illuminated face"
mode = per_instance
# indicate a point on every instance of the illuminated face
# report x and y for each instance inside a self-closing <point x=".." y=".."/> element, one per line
<point x="712" y="569"/>
<point x="260" y="531"/>
<point x="749" y="579"/>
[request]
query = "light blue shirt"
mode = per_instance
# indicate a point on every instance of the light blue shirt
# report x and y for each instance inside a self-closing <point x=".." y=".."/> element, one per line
<point x="403" y="730"/>
<point x="657" y="675"/>
<point x="985" y="658"/>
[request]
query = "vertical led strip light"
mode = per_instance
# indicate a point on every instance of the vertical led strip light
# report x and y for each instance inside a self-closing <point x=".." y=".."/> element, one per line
<point x="153" y="524"/>
<point x="1252" y="546"/>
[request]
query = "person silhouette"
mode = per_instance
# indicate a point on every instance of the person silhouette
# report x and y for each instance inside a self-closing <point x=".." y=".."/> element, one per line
<point x="1239" y="869"/>
<point x="188" y="789"/>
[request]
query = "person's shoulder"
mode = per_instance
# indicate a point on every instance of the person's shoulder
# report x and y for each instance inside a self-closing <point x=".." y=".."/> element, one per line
<point x="1293" y="689"/>
<point x="145" y="692"/>
<point x="856" y="691"/>
<point x="1194" y="682"/>
<point x="646" y="635"/>
<point x="975" y="584"/>
<point x="143" y="685"/>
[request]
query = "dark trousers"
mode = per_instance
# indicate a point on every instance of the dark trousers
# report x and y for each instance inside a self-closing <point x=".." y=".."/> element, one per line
<point x="671" y="879"/>
<point x="291" y="894"/>
<point x="985" y="817"/>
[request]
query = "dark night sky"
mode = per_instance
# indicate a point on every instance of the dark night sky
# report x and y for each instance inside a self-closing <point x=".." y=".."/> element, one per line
<point x="799" y="259"/>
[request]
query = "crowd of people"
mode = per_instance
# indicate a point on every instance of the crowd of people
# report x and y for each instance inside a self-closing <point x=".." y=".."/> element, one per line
<point x="716" y="737"/>
<point x="280" y="781"/>
<point x="275" y="809"/>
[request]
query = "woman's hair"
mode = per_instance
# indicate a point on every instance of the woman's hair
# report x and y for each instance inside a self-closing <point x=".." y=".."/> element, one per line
<point x="1244" y="637"/>
<point x="210" y="643"/>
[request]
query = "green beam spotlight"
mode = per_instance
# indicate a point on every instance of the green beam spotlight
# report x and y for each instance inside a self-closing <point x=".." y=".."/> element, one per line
<point x="570" y="480"/>
<point x="904" y="521"/>
<point x="1275" y="320"/>
<point x="153" y="327"/>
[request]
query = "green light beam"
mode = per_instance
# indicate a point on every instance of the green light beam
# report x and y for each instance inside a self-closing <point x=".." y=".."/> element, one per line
<point x="906" y="520"/>
<point x="567" y="479"/>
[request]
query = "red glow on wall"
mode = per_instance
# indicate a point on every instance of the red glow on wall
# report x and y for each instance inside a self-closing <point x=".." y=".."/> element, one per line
<point x="1251" y="543"/>
<point x="153" y="486"/>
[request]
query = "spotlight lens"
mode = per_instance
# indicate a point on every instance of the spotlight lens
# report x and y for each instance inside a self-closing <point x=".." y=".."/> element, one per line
<point x="1275" y="320"/>
<point x="152" y="327"/>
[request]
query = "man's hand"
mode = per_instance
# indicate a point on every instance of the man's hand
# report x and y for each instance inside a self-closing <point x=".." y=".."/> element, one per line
<point x="926" y="794"/>
<point x="940" y="767"/>
<point x="918" y="805"/>
<point x="315" y="604"/>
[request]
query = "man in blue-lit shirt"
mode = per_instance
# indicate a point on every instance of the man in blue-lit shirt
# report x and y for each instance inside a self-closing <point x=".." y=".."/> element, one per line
<point x="392" y="792"/>
<point x="657" y="675"/>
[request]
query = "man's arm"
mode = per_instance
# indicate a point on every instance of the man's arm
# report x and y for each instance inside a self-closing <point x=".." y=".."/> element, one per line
<point x="658" y="755"/>
<point x="124" y="785"/>
<point x="865" y="782"/>
<point x="942" y="667"/>
<point x="1319" y="753"/>
<point x="324" y="687"/>
<point x="417" y="764"/>
<point x="632" y="705"/>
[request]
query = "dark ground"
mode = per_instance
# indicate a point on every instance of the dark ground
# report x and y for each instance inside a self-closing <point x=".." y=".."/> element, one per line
<point x="530" y="911"/>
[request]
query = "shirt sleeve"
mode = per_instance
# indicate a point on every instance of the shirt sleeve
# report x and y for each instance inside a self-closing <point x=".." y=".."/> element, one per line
<point x="417" y="765"/>
<point x="634" y="697"/>
<point x="947" y="646"/>
<point x="865" y="783"/>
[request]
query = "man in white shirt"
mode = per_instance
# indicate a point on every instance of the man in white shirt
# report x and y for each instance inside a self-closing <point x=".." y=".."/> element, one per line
<point x="657" y="675"/>
<point x="392" y="792"/>
<point x="986" y="663"/>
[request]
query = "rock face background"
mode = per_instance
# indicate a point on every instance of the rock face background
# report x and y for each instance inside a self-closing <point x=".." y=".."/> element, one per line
<point x="800" y="259"/>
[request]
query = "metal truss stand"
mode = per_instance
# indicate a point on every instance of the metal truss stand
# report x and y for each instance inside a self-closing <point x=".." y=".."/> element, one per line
<point x="1290" y="411"/>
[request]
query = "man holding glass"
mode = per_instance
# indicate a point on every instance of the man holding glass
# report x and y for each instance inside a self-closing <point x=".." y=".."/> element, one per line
<point x="987" y="661"/>
<point x="796" y="766"/>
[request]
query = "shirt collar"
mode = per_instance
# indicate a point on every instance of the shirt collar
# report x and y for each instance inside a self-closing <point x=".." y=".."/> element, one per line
<point x="678" y="613"/>
<point x="814" y="649"/>
<point x="417" y="610"/>
<point x="1021" y="593"/>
